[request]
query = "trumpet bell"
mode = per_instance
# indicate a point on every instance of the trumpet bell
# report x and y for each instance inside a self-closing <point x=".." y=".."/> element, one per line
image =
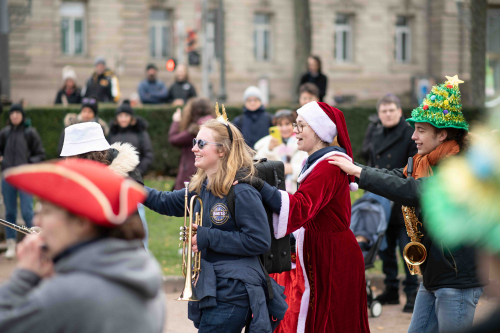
<point x="414" y="253"/>
<point x="187" y="295"/>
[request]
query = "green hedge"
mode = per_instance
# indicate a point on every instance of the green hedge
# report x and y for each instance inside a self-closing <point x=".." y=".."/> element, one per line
<point x="49" y="123"/>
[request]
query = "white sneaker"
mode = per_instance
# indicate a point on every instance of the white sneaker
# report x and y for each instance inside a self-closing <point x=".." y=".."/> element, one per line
<point x="11" y="249"/>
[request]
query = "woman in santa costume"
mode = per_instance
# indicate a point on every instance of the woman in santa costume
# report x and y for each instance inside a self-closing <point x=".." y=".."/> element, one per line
<point x="329" y="265"/>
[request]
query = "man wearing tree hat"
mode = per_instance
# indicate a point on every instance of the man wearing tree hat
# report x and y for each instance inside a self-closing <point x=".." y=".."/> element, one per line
<point x="447" y="298"/>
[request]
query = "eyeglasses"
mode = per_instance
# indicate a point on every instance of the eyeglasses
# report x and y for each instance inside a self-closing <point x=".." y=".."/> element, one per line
<point x="298" y="127"/>
<point x="201" y="143"/>
<point x="87" y="100"/>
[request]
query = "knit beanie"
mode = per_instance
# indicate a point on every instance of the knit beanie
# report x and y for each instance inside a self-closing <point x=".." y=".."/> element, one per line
<point x="126" y="108"/>
<point x="91" y="102"/>
<point x="252" y="91"/>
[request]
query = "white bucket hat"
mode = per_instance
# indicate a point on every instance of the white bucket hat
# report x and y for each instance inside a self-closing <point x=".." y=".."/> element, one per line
<point x="83" y="138"/>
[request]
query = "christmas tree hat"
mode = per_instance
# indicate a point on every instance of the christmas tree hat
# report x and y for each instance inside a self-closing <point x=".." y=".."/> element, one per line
<point x="442" y="107"/>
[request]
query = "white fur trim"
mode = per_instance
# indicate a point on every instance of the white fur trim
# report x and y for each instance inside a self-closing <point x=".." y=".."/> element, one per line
<point x="353" y="187"/>
<point x="324" y="157"/>
<point x="127" y="159"/>
<point x="280" y="222"/>
<point x="304" y="303"/>
<point x="319" y="121"/>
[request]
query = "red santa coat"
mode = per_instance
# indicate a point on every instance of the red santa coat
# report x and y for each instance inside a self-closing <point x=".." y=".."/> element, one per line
<point x="329" y="260"/>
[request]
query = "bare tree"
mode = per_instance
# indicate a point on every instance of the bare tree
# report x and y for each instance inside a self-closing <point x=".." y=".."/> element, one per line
<point x="478" y="10"/>
<point x="302" y="18"/>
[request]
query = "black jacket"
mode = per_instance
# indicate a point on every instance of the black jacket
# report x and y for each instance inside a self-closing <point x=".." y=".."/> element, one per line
<point x="73" y="98"/>
<point x="320" y="80"/>
<point x="443" y="268"/>
<point x="138" y="137"/>
<point x="183" y="90"/>
<point x="254" y="125"/>
<point x="104" y="87"/>
<point x="389" y="149"/>
<point x="20" y="145"/>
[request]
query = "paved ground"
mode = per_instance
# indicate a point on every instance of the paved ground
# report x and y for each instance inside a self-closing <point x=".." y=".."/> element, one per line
<point x="392" y="320"/>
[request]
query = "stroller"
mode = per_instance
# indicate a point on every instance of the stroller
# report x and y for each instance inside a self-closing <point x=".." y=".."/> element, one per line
<point x="369" y="218"/>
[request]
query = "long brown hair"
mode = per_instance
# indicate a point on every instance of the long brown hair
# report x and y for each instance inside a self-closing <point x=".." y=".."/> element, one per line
<point x="195" y="109"/>
<point x="237" y="156"/>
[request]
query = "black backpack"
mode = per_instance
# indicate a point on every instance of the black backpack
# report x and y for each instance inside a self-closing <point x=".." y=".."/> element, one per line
<point x="278" y="258"/>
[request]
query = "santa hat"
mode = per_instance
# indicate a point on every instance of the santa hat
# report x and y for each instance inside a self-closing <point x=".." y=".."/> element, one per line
<point x="328" y="122"/>
<point x="83" y="187"/>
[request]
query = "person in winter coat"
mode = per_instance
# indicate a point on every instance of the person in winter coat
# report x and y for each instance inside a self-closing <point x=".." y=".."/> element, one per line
<point x="127" y="127"/>
<point x="20" y="144"/>
<point x="254" y="123"/>
<point x="103" y="83"/>
<point x="315" y="76"/>
<point x="86" y="271"/>
<point x="232" y="287"/>
<point x="328" y="291"/>
<point x="388" y="145"/>
<point x="151" y="90"/>
<point x="86" y="141"/>
<point x="181" y="90"/>
<point x="89" y="112"/>
<point x="184" y="128"/>
<point x="447" y="298"/>
<point x="287" y="151"/>
<point x="70" y="93"/>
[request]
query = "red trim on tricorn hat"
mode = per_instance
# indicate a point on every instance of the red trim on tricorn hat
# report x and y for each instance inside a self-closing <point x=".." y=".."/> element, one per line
<point x="83" y="187"/>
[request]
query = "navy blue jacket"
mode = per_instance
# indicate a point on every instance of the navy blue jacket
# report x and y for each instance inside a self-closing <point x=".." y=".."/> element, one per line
<point x="221" y="238"/>
<point x="152" y="92"/>
<point x="254" y="125"/>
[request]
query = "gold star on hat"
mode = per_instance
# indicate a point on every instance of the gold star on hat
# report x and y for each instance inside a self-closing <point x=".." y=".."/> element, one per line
<point x="454" y="80"/>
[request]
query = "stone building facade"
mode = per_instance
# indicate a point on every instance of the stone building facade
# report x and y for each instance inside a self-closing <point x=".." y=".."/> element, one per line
<point x="368" y="48"/>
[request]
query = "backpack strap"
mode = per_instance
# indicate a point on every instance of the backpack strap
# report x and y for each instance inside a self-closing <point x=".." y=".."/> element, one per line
<point x="232" y="209"/>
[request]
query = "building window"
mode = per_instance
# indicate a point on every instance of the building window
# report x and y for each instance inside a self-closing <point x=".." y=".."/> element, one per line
<point x="160" y="33"/>
<point x="343" y="38"/>
<point x="403" y="40"/>
<point x="262" y="37"/>
<point x="72" y="28"/>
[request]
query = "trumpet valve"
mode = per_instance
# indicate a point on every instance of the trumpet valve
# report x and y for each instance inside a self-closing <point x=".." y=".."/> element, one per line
<point x="183" y="228"/>
<point x="182" y="239"/>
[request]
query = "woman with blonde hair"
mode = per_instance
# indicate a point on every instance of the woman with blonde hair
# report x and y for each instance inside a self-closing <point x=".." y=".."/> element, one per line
<point x="232" y="286"/>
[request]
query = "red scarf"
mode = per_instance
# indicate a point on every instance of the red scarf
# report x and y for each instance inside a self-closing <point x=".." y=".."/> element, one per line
<point x="422" y="163"/>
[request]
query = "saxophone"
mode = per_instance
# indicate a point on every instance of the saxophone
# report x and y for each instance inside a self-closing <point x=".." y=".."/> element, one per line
<point x="414" y="252"/>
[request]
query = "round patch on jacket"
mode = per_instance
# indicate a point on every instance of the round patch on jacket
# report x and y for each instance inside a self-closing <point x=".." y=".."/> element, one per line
<point x="104" y="82"/>
<point x="219" y="214"/>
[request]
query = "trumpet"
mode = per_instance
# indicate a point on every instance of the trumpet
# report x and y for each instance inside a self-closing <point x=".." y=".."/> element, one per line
<point x="190" y="261"/>
<point x="21" y="228"/>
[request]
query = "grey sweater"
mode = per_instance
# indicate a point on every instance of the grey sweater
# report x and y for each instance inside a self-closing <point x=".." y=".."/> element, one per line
<point x="107" y="286"/>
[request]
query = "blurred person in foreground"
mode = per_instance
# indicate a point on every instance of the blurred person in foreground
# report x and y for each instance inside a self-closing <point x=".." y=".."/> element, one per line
<point x="181" y="90"/>
<point x="70" y="93"/>
<point x="315" y="76"/>
<point x="447" y="299"/>
<point x="285" y="151"/>
<point x="185" y="126"/>
<point x="103" y="83"/>
<point x="20" y="144"/>
<point x="308" y="92"/>
<point x="388" y="145"/>
<point x="86" y="271"/>
<point x="86" y="141"/>
<point x="151" y="90"/>
<point x="89" y="112"/>
<point x="254" y="123"/>
<point x="130" y="128"/>
<point x="461" y="206"/>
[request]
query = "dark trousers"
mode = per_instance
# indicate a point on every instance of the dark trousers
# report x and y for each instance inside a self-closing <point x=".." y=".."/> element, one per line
<point x="224" y="317"/>
<point x="396" y="236"/>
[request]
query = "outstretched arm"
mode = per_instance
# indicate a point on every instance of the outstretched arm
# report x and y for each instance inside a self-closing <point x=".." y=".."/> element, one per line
<point x="166" y="203"/>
